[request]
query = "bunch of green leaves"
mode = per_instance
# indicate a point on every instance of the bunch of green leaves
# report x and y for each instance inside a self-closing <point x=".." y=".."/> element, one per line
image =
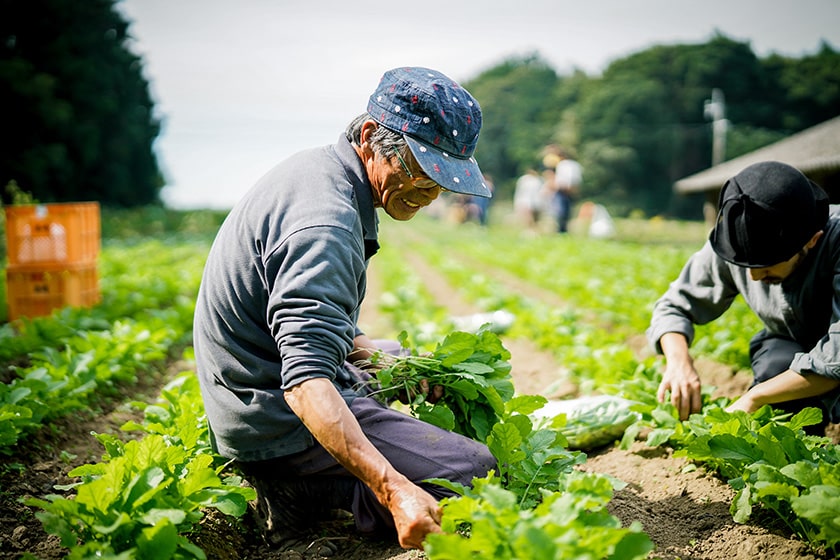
<point x="486" y="522"/>
<point x="145" y="495"/>
<point x="474" y="371"/>
<point x="178" y="416"/>
<point x="531" y="459"/>
<point x="771" y="463"/>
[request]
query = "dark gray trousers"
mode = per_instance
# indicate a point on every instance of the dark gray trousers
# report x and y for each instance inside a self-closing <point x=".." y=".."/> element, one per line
<point x="416" y="449"/>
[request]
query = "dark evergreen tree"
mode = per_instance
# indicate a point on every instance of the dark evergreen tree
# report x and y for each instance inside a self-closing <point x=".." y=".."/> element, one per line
<point x="77" y="114"/>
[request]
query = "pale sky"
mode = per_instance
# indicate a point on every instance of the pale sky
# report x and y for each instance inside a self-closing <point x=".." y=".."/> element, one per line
<point x="242" y="84"/>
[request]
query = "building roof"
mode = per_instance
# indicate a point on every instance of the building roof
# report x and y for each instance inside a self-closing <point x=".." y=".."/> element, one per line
<point x="814" y="151"/>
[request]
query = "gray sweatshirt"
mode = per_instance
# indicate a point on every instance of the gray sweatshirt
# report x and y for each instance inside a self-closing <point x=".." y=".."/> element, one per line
<point x="805" y="307"/>
<point x="280" y="297"/>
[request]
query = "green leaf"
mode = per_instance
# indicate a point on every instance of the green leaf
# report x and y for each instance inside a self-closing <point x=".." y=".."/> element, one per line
<point x="504" y="441"/>
<point x="821" y="506"/>
<point x="156" y="515"/>
<point x="159" y="542"/>
<point x="741" y="507"/>
<point x="525" y="404"/>
<point x="658" y="437"/>
<point x="632" y="545"/>
<point x="726" y="446"/>
<point x="806" y="417"/>
<point x="775" y="490"/>
<point x="805" y="473"/>
<point x="199" y="476"/>
<point x="476" y="368"/>
<point x="438" y="415"/>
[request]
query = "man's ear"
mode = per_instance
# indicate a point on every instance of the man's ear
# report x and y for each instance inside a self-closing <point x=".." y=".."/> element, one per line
<point x="368" y="128"/>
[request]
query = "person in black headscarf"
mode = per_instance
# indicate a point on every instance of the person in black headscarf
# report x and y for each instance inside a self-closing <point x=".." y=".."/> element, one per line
<point x="775" y="244"/>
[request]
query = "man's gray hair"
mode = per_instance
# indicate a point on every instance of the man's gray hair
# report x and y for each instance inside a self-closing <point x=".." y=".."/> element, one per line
<point x="383" y="141"/>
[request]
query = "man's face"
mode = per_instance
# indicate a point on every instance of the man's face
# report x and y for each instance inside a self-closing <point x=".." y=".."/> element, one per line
<point x="396" y="187"/>
<point x="778" y="272"/>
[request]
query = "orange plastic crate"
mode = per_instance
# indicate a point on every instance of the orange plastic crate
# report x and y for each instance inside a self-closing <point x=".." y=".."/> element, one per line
<point x="38" y="291"/>
<point x="58" y="234"/>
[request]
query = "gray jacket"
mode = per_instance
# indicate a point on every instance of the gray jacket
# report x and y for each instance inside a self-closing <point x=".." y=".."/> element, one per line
<point x="280" y="297"/>
<point x="805" y="307"/>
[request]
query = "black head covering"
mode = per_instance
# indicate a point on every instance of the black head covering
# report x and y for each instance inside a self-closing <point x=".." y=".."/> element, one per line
<point x="768" y="212"/>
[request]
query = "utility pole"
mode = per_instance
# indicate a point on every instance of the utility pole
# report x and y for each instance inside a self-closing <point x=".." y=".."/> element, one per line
<point x="715" y="110"/>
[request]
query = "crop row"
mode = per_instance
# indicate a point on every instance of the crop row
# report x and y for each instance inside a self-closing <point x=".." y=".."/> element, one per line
<point x="157" y="486"/>
<point x="768" y="458"/>
<point x="77" y="356"/>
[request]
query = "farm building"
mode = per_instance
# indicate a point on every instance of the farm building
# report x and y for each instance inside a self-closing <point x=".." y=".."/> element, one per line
<point x="814" y="151"/>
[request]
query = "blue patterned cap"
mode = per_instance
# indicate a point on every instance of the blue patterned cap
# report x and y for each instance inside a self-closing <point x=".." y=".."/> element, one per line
<point x="440" y="121"/>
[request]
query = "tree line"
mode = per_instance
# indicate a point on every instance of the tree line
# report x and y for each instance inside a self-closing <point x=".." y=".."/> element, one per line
<point x="80" y="122"/>
<point x="78" y="119"/>
<point x="640" y="125"/>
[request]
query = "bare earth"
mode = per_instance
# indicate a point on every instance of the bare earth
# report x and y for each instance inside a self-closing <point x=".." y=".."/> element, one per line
<point x="685" y="512"/>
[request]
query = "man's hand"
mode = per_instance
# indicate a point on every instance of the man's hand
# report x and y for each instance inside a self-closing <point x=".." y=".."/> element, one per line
<point x="432" y="394"/>
<point x="745" y="403"/>
<point x="322" y="410"/>
<point x="684" y="385"/>
<point x="416" y="514"/>
<point x="680" y="377"/>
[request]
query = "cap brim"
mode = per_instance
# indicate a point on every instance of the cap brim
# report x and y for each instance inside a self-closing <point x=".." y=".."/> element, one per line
<point x="460" y="175"/>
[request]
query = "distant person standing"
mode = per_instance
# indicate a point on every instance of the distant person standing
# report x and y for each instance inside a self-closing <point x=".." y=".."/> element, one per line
<point x="482" y="203"/>
<point x="528" y="198"/>
<point x="568" y="175"/>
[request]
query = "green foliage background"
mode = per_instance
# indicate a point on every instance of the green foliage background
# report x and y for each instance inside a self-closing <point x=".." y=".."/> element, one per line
<point x="640" y="126"/>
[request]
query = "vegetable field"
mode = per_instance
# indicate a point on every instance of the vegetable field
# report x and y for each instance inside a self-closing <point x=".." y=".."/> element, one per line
<point x="104" y="450"/>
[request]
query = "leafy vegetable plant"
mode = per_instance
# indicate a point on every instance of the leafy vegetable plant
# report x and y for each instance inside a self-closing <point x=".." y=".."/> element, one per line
<point x="146" y="495"/>
<point x="771" y="463"/>
<point x="531" y="459"/>
<point x="486" y="522"/>
<point x="473" y="370"/>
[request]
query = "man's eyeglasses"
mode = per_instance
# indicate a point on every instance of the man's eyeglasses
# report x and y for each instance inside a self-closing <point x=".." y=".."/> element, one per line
<point x="419" y="182"/>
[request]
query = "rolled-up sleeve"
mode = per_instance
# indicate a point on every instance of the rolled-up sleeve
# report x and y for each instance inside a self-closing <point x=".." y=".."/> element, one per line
<point x="824" y="358"/>
<point x="316" y="284"/>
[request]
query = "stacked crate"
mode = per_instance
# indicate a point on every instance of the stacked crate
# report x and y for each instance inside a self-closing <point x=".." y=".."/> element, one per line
<point x="52" y="251"/>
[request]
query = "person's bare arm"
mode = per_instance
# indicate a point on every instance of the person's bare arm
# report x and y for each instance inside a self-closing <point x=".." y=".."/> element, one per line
<point x="322" y="410"/>
<point x="363" y="349"/>
<point x="786" y="386"/>
<point x="680" y="377"/>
